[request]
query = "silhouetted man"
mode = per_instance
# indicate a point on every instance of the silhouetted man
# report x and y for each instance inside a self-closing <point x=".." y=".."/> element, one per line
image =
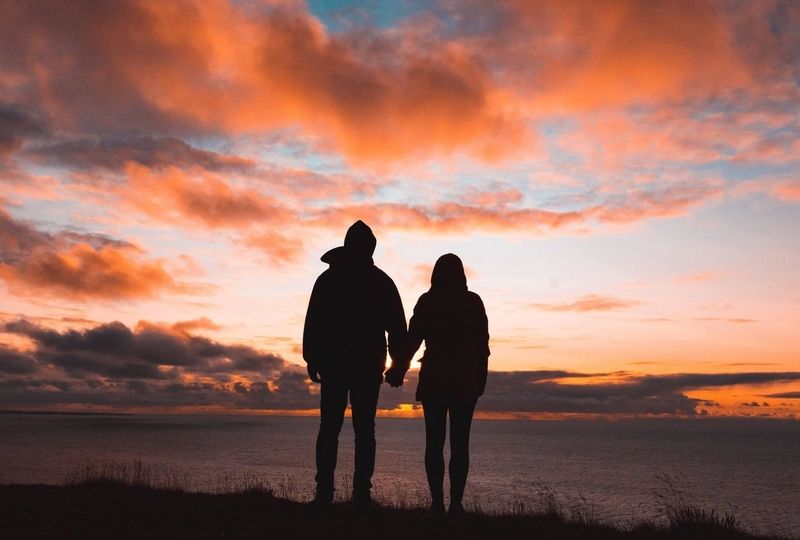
<point x="352" y="307"/>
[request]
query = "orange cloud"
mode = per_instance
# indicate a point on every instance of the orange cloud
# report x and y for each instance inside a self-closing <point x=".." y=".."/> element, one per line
<point x="281" y="249"/>
<point x="590" y="302"/>
<point x="85" y="272"/>
<point x="784" y="190"/>
<point x="271" y="223"/>
<point x="79" y="266"/>
<point x="446" y="217"/>
<point x="202" y="323"/>
<point x="781" y="149"/>
<point x="174" y="195"/>
<point x="728" y="320"/>
<point x="493" y="198"/>
<point x="788" y="191"/>
<point x="220" y="66"/>
<point x="199" y="197"/>
<point x="588" y="54"/>
<point x="423" y="88"/>
<point x="181" y="330"/>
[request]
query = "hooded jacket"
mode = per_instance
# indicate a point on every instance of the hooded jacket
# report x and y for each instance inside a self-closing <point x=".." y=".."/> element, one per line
<point x="353" y="305"/>
<point x="452" y="322"/>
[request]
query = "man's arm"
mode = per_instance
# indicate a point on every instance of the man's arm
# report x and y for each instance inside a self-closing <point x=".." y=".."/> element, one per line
<point x="312" y="338"/>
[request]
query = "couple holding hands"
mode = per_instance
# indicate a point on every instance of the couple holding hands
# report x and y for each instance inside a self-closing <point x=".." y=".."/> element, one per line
<point x="353" y="306"/>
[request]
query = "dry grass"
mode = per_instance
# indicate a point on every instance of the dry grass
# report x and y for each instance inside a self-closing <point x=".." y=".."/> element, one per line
<point x="544" y="510"/>
<point x="679" y="513"/>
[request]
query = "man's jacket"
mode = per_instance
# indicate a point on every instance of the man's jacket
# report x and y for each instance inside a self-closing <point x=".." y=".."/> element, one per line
<point x="352" y="307"/>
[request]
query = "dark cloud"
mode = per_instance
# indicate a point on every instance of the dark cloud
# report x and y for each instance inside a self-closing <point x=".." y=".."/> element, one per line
<point x="789" y="395"/>
<point x="14" y="362"/>
<point x="160" y="366"/>
<point x="155" y="152"/>
<point x="15" y="125"/>
<point x="19" y="238"/>
<point x="754" y="404"/>
<point x="525" y="392"/>
<point x="148" y="366"/>
<point x="541" y="392"/>
<point x="148" y="352"/>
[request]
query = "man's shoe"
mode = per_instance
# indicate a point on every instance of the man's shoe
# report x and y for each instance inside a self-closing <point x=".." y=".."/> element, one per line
<point x="322" y="500"/>
<point x="362" y="500"/>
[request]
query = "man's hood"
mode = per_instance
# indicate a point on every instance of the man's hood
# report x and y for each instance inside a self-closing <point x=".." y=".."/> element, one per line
<point x="359" y="245"/>
<point x="334" y="256"/>
<point x="340" y="256"/>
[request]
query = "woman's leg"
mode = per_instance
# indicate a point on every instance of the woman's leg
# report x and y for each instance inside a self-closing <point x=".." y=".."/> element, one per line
<point x="460" y="423"/>
<point x="435" y="431"/>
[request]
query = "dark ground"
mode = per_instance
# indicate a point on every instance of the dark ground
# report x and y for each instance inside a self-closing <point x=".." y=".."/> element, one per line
<point x="115" y="511"/>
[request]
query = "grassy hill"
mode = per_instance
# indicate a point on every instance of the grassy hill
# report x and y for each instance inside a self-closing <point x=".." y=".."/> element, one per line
<point x="117" y="510"/>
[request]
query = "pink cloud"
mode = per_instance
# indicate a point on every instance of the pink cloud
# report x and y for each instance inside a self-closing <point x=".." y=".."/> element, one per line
<point x="784" y="190"/>
<point x="788" y="191"/>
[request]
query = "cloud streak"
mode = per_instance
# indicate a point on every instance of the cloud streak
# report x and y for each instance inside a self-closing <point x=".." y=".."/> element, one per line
<point x="589" y="302"/>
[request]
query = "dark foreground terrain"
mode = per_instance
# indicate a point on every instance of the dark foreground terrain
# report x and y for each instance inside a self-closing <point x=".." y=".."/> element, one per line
<point x="116" y="511"/>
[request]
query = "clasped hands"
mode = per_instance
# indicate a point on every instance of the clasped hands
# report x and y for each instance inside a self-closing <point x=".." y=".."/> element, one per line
<point x="394" y="376"/>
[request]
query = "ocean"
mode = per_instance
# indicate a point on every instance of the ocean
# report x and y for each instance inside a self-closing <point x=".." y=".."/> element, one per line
<point x="620" y="471"/>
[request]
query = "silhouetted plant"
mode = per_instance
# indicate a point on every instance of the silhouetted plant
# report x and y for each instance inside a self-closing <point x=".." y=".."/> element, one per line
<point x="135" y="473"/>
<point x="679" y="513"/>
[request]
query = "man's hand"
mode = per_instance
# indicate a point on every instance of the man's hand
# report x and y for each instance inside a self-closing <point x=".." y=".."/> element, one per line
<point x="313" y="373"/>
<point x="395" y="377"/>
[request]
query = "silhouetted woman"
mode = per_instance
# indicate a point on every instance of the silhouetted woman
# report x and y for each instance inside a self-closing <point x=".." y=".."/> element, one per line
<point x="452" y="322"/>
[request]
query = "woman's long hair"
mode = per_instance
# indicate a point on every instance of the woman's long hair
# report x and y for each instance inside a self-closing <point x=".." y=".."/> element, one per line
<point x="448" y="275"/>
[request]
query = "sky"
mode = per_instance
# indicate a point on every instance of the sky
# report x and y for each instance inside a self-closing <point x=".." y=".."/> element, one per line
<point x="620" y="178"/>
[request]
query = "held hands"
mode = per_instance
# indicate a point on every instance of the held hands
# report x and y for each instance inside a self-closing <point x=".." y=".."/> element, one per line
<point x="394" y="377"/>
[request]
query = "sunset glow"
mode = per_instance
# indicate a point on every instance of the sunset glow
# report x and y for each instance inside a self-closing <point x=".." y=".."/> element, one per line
<point x="621" y="179"/>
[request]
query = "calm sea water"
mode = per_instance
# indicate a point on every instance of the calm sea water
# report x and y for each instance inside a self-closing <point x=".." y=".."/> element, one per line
<point x="748" y="467"/>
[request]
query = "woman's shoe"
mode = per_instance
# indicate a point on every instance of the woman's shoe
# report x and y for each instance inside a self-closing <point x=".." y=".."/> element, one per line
<point x="437" y="508"/>
<point x="456" y="509"/>
<point x="322" y="500"/>
<point x="362" y="500"/>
